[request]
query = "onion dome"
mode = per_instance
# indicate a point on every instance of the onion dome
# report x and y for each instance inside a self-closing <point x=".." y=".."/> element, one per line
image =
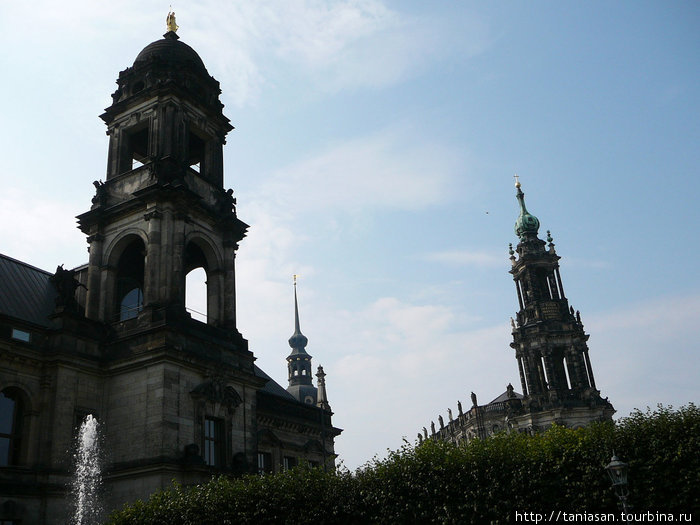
<point x="526" y="223"/>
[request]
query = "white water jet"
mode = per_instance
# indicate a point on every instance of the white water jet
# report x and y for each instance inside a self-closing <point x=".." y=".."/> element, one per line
<point x="87" y="479"/>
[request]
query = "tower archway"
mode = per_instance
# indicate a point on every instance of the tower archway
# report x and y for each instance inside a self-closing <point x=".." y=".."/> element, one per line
<point x="202" y="274"/>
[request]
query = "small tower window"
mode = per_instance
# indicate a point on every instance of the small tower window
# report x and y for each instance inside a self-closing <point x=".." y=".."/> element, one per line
<point x="196" y="152"/>
<point x="134" y="148"/>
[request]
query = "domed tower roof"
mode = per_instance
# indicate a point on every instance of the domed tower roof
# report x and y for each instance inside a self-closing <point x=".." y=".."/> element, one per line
<point x="172" y="53"/>
<point x="168" y="65"/>
<point x="526" y="223"/>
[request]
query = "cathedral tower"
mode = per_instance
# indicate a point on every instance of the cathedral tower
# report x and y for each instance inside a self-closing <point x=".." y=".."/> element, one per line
<point x="548" y="337"/>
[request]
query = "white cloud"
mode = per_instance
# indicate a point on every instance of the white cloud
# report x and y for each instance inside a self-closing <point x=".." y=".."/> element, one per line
<point x="647" y="353"/>
<point x="385" y="170"/>
<point x="37" y="229"/>
<point x="467" y="258"/>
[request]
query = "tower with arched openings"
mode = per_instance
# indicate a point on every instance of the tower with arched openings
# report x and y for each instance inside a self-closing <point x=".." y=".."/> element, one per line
<point x="176" y="392"/>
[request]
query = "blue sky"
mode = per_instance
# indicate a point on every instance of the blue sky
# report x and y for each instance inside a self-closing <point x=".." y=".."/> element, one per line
<point x="374" y="153"/>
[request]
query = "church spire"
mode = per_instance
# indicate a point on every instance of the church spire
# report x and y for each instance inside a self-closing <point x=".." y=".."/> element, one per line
<point x="299" y="361"/>
<point x="298" y="341"/>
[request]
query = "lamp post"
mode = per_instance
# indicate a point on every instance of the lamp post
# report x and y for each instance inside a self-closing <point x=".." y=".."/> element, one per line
<point x="617" y="470"/>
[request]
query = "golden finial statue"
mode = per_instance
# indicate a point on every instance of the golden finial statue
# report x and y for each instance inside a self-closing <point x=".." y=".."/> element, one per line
<point x="170" y="20"/>
<point x="517" y="181"/>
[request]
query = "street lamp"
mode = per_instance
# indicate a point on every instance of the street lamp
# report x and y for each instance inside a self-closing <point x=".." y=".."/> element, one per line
<point x="617" y="470"/>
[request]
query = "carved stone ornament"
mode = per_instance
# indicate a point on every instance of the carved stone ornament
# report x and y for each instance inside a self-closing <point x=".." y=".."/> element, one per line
<point x="216" y="391"/>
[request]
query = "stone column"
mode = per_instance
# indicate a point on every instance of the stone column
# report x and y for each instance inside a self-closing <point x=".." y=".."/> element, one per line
<point x="152" y="262"/>
<point x="522" y="376"/>
<point x="92" y="298"/>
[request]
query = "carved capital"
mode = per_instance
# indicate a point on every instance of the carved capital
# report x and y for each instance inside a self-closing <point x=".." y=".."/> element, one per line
<point x="97" y="237"/>
<point x="153" y="214"/>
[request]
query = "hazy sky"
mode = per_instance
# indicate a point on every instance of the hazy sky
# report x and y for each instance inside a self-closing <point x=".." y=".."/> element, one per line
<point x="374" y="153"/>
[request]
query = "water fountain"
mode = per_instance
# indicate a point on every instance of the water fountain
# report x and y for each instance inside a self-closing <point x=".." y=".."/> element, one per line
<point x="87" y="479"/>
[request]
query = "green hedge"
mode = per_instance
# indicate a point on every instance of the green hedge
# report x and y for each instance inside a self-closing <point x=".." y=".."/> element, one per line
<point x="485" y="481"/>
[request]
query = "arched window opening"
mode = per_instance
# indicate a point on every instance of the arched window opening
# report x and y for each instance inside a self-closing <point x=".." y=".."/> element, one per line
<point x="196" y="285"/>
<point x="130" y="271"/>
<point x="11" y="416"/>
<point x="196" y="294"/>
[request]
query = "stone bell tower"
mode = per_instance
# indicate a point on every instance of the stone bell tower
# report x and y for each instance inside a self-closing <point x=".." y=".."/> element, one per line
<point x="162" y="210"/>
<point x="548" y="337"/>
<point x="179" y="395"/>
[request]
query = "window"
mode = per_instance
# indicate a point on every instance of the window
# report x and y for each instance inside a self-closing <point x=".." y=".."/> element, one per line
<point x="130" y="274"/>
<point x="264" y="462"/>
<point x="134" y="148"/>
<point x="196" y="152"/>
<point x="20" y="335"/>
<point x="131" y="304"/>
<point x="213" y="442"/>
<point x="10" y="428"/>
<point x="196" y="294"/>
<point x="289" y="462"/>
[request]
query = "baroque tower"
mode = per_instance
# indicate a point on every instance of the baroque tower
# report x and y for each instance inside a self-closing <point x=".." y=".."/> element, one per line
<point x="178" y="398"/>
<point x="163" y="210"/>
<point x="299" y="362"/>
<point x="550" y="347"/>
<point x="548" y="337"/>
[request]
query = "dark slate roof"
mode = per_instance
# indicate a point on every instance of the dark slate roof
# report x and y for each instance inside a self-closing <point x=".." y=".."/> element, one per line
<point x="504" y="397"/>
<point x="272" y="387"/>
<point x="25" y="292"/>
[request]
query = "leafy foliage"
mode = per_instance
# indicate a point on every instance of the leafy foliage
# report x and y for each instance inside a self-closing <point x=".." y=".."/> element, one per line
<point x="484" y="481"/>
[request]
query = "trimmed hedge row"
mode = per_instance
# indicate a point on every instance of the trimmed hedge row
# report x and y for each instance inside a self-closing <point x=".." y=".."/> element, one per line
<point x="485" y="481"/>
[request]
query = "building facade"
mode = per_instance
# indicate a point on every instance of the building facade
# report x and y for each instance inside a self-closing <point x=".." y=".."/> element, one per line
<point x="176" y="398"/>
<point x="550" y="344"/>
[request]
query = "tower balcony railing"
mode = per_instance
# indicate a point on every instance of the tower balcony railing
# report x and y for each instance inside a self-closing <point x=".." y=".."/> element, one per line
<point x="197" y="315"/>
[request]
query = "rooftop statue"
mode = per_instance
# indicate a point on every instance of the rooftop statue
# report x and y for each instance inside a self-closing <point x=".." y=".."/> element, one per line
<point x="170" y="21"/>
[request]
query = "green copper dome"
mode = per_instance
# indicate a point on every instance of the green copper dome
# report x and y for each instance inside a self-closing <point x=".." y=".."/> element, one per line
<point x="526" y="222"/>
